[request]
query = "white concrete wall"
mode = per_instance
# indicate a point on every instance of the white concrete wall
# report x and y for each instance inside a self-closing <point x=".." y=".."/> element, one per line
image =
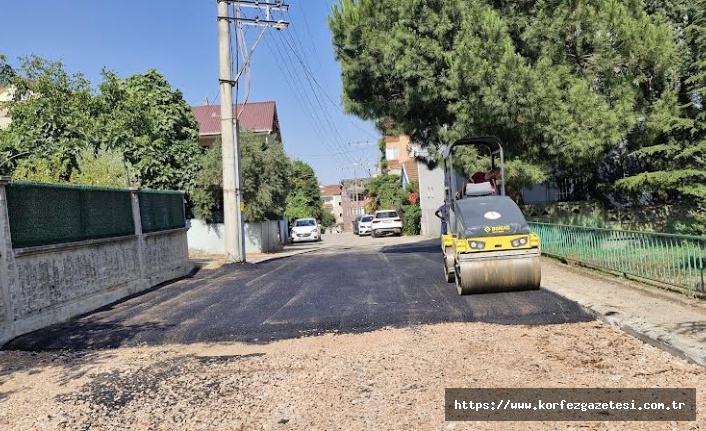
<point x="431" y="190"/>
<point x="40" y="286"/>
<point x="259" y="237"/>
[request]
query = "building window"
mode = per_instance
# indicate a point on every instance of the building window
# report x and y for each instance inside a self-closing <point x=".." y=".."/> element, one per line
<point x="392" y="154"/>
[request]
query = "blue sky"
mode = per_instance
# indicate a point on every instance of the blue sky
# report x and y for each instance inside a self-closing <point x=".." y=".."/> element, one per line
<point x="179" y="39"/>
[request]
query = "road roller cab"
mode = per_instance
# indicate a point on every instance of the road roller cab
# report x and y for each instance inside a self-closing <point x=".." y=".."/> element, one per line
<point x="489" y="246"/>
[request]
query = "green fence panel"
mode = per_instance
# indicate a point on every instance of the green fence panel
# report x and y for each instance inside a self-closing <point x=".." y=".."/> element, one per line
<point x="161" y="210"/>
<point x="676" y="260"/>
<point x="45" y="214"/>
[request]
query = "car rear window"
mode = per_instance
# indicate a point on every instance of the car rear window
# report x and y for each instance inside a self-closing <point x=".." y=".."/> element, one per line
<point x="305" y="223"/>
<point x="386" y="214"/>
<point x="366" y="218"/>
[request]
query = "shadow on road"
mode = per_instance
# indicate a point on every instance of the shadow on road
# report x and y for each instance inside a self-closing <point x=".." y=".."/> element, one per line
<point x="85" y="334"/>
<point x="427" y="246"/>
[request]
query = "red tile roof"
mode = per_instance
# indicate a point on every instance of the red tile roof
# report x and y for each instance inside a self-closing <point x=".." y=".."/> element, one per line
<point x="255" y="116"/>
<point x="412" y="170"/>
<point x="393" y="164"/>
<point x="331" y="190"/>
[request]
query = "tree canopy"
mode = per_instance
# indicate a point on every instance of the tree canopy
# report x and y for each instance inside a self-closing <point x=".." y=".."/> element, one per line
<point x="58" y="117"/>
<point x="607" y="89"/>
<point x="266" y="171"/>
<point x="304" y="198"/>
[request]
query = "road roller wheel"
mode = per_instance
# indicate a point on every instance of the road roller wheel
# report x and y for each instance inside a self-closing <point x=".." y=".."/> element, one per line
<point x="462" y="281"/>
<point x="449" y="270"/>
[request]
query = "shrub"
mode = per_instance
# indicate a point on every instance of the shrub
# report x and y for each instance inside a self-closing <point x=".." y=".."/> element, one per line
<point x="412" y="220"/>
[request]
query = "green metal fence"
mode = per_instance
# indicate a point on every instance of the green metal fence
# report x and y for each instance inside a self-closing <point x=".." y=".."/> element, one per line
<point x="676" y="260"/>
<point x="161" y="210"/>
<point x="44" y="214"/>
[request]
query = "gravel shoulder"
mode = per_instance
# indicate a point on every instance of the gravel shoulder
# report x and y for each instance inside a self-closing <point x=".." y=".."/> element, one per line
<point x="390" y="379"/>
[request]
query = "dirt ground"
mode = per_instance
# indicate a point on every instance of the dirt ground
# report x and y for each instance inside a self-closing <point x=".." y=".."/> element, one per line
<point x="392" y="379"/>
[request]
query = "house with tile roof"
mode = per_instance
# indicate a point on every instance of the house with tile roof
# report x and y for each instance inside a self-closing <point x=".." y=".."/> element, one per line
<point x="258" y="117"/>
<point x="332" y="199"/>
<point x="409" y="171"/>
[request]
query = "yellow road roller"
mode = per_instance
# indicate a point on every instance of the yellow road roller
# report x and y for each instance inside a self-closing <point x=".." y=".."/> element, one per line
<point x="489" y="246"/>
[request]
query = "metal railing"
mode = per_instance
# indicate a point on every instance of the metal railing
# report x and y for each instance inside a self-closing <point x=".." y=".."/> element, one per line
<point x="674" y="260"/>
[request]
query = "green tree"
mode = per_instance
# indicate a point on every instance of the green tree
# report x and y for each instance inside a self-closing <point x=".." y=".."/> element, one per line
<point x="154" y="128"/>
<point x="52" y="120"/>
<point x="672" y="150"/>
<point x="387" y="193"/>
<point x="6" y="71"/>
<point x="327" y="220"/>
<point x="612" y="91"/>
<point x="93" y="168"/>
<point x="304" y="198"/>
<point x="265" y="174"/>
<point x="103" y="167"/>
<point x="559" y="82"/>
<point x="57" y="117"/>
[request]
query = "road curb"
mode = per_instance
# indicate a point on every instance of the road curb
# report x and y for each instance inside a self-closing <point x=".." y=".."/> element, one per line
<point x="275" y="257"/>
<point x="649" y="334"/>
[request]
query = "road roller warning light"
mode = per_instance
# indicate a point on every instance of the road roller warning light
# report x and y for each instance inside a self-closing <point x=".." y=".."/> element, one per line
<point x="489" y="247"/>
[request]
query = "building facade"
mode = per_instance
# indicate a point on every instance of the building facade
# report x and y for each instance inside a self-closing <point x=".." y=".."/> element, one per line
<point x="5" y="96"/>
<point x="331" y="196"/>
<point x="397" y="152"/>
<point x="354" y="199"/>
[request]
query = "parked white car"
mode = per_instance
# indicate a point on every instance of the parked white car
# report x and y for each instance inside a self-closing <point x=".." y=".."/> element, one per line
<point x="305" y="229"/>
<point x="365" y="225"/>
<point x="386" y="222"/>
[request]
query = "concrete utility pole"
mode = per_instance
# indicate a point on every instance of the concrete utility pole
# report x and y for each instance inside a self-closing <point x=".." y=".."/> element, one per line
<point x="234" y="234"/>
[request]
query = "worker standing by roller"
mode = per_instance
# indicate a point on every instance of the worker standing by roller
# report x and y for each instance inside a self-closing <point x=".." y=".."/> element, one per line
<point x="443" y="214"/>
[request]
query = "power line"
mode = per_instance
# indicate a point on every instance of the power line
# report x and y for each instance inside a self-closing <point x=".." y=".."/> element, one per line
<point x="303" y="96"/>
<point x="309" y="80"/>
<point x="324" y="114"/>
<point x="307" y="68"/>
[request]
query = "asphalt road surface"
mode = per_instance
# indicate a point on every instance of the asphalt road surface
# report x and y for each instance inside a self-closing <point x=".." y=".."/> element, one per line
<point x="351" y="285"/>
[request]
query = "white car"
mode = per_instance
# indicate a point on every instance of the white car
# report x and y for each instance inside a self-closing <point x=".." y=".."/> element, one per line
<point x="365" y="225"/>
<point x="386" y="222"/>
<point x="306" y="229"/>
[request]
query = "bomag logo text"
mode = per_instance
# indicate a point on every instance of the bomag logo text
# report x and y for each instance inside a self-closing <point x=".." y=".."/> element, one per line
<point x="497" y="229"/>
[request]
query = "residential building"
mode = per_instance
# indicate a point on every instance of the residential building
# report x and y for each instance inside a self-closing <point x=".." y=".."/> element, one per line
<point x="5" y="96"/>
<point x="401" y="155"/>
<point x="409" y="171"/>
<point x="333" y="203"/>
<point x="258" y="117"/>
<point x="397" y="151"/>
<point x="354" y="198"/>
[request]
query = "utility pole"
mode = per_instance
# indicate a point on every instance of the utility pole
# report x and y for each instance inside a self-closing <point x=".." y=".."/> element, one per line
<point x="234" y="234"/>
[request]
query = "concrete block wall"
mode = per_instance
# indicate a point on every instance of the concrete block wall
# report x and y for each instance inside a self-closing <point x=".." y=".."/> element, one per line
<point x="40" y="286"/>
<point x="260" y="237"/>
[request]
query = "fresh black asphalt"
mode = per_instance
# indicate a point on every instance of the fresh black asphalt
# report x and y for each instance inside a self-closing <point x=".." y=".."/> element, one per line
<point x="344" y="290"/>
